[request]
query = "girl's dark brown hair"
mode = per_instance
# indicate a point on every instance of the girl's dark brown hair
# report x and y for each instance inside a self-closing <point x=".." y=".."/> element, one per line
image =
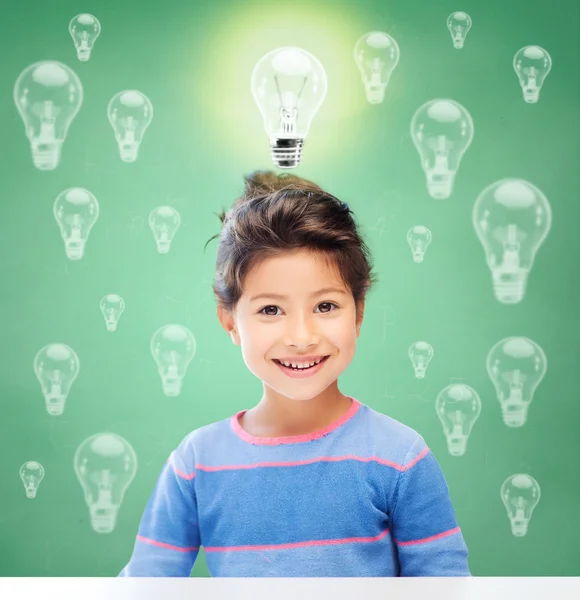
<point x="284" y="213"/>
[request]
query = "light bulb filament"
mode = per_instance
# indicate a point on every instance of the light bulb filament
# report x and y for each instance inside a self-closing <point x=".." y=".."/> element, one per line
<point x="48" y="112"/>
<point x="288" y="114"/>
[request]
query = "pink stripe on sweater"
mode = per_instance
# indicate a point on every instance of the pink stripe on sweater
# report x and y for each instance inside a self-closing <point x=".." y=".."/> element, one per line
<point x="295" y="544"/>
<point x="297" y="463"/>
<point x="429" y="539"/>
<point x="292" y="439"/>
<point x="177" y="471"/>
<point x="164" y="545"/>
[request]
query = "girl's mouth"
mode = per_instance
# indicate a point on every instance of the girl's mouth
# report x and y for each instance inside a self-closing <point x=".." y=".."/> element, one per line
<point x="298" y="373"/>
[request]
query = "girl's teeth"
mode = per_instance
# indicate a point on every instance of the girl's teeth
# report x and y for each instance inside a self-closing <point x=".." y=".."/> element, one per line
<point x="301" y="366"/>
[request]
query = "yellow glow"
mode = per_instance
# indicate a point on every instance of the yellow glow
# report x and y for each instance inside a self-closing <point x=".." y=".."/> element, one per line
<point x="235" y="41"/>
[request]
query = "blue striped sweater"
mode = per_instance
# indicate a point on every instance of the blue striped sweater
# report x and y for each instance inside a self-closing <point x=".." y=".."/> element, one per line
<point x="363" y="497"/>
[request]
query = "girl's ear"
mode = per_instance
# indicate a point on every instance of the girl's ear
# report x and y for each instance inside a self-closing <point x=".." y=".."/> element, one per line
<point x="228" y="323"/>
<point x="360" y="316"/>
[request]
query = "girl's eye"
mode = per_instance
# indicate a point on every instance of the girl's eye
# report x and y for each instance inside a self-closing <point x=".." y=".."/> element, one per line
<point x="261" y="311"/>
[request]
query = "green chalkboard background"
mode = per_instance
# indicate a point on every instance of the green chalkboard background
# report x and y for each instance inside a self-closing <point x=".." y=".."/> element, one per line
<point x="193" y="61"/>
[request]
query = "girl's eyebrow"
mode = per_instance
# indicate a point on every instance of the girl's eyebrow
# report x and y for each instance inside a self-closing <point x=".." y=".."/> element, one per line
<point x="325" y="290"/>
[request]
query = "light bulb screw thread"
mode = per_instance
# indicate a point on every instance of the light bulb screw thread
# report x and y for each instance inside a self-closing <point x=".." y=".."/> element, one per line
<point x="286" y="152"/>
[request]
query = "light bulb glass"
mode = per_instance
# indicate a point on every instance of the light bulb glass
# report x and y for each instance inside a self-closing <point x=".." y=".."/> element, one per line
<point x="31" y="473"/>
<point x="512" y="218"/>
<point x="164" y="222"/>
<point x="84" y="30"/>
<point x="376" y="55"/>
<point x="520" y="494"/>
<point x="442" y="130"/>
<point x="105" y="465"/>
<point x="289" y="85"/>
<point x="48" y="96"/>
<point x="420" y="354"/>
<point x="56" y="367"/>
<point x="112" y="307"/>
<point x="458" y="407"/>
<point x="516" y="366"/>
<point x="76" y="210"/>
<point x="418" y="237"/>
<point x="532" y="64"/>
<point x="459" y="24"/>
<point x="130" y="113"/>
<point x="173" y="348"/>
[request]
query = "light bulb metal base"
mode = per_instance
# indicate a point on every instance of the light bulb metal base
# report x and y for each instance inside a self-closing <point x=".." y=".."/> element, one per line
<point x="83" y="54"/>
<point x="514" y="415"/>
<point x="375" y="93"/>
<point x="509" y="291"/>
<point x="46" y="155"/>
<point x="129" y="151"/>
<point x="531" y="95"/>
<point x="440" y="184"/>
<point x="457" y="445"/>
<point x="286" y="152"/>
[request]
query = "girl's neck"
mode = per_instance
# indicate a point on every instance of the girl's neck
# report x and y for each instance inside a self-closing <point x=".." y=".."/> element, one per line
<point x="271" y="418"/>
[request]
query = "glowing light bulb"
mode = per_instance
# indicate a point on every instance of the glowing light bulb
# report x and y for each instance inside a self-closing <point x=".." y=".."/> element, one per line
<point x="173" y="347"/>
<point x="512" y="218"/>
<point x="516" y="366"/>
<point x="76" y="210"/>
<point x="31" y="473"/>
<point x="105" y="465"/>
<point x="420" y="354"/>
<point x="289" y="86"/>
<point x="84" y="29"/>
<point x="459" y="24"/>
<point x="442" y="130"/>
<point x="458" y="407"/>
<point x="419" y="238"/>
<point x="112" y="307"/>
<point x="130" y="113"/>
<point x="532" y="64"/>
<point x="164" y="222"/>
<point x="56" y="367"/>
<point x="376" y="55"/>
<point x="48" y="96"/>
<point x="520" y="494"/>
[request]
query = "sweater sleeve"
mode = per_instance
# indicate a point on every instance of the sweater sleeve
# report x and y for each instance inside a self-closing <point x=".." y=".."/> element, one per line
<point x="423" y="524"/>
<point x="168" y="540"/>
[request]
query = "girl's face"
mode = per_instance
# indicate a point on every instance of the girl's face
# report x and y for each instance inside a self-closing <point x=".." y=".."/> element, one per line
<point x="298" y="322"/>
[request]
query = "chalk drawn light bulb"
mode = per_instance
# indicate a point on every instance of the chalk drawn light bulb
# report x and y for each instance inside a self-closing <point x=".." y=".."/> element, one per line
<point x="520" y="494"/>
<point x="419" y="237"/>
<point x="130" y="113"/>
<point x="56" y="367"/>
<point x="420" y="354"/>
<point x="512" y="218"/>
<point x="442" y="130"/>
<point x="84" y="30"/>
<point x="164" y="222"/>
<point x="105" y="465"/>
<point x="376" y="55"/>
<point x="516" y="366"/>
<point x="173" y="347"/>
<point x="48" y="96"/>
<point x="112" y="307"/>
<point x="532" y="64"/>
<point x="31" y="473"/>
<point x="458" y="407"/>
<point x="288" y="85"/>
<point x="76" y="210"/>
<point x="459" y="24"/>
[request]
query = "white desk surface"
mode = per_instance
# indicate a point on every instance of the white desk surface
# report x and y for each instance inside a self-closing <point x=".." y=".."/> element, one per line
<point x="247" y="588"/>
